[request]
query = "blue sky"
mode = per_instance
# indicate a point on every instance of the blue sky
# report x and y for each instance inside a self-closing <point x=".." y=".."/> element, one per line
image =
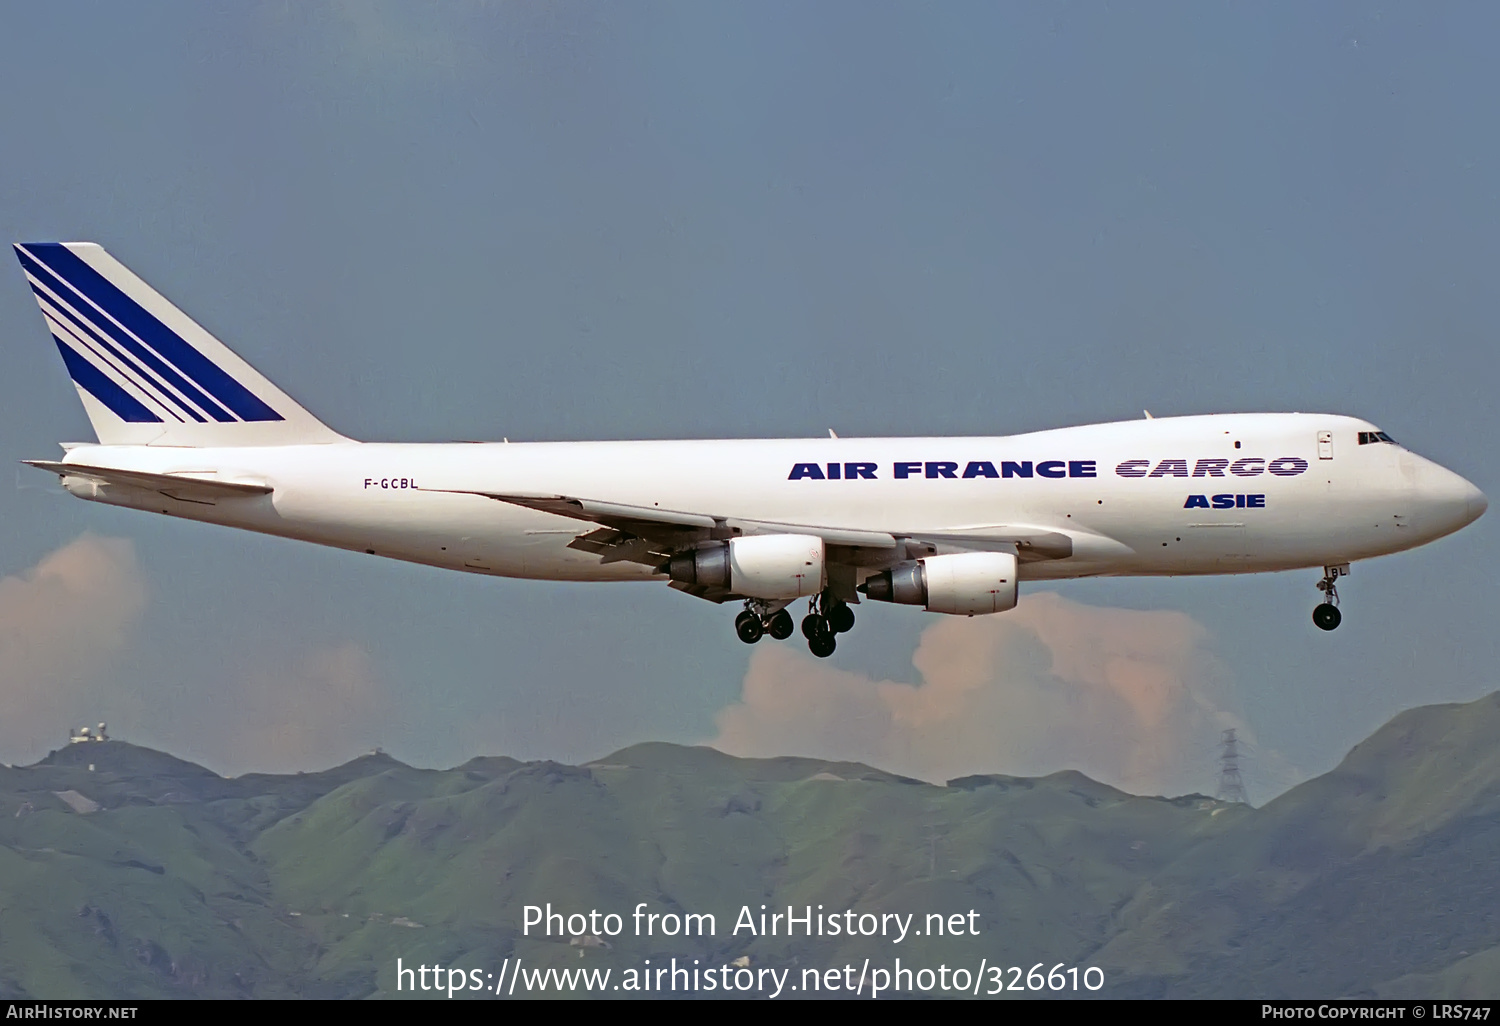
<point x="571" y="221"/>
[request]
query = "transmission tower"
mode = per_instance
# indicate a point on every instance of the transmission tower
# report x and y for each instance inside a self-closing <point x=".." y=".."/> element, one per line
<point x="1231" y="787"/>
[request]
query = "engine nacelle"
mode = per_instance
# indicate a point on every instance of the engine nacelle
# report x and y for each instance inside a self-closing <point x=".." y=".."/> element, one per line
<point x="965" y="583"/>
<point x="768" y="566"/>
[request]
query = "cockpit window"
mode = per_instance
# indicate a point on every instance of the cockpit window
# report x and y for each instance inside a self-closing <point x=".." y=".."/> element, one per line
<point x="1368" y="437"/>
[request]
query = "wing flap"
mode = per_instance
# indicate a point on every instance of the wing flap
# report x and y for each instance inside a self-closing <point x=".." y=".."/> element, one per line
<point x="715" y="595"/>
<point x="615" y="546"/>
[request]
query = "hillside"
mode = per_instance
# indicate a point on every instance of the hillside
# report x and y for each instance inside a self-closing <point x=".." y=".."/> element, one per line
<point x="127" y="872"/>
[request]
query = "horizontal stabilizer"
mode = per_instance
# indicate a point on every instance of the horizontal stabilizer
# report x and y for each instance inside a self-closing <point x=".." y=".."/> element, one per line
<point x="183" y="487"/>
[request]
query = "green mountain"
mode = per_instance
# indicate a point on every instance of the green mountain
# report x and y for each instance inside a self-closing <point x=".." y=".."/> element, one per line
<point x="126" y="872"/>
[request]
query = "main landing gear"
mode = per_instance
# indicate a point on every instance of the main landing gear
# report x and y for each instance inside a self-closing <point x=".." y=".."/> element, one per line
<point x="757" y="620"/>
<point x="826" y="617"/>
<point x="1327" y="615"/>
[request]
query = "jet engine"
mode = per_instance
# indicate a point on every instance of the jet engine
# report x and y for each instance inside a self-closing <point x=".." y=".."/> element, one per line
<point x="769" y="566"/>
<point x="965" y="583"/>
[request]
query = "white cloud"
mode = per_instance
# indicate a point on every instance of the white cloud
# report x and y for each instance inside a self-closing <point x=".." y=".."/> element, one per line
<point x="1135" y="699"/>
<point x="64" y="624"/>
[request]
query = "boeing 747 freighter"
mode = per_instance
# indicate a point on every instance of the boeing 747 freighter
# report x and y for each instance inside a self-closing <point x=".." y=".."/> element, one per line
<point x="952" y="525"/>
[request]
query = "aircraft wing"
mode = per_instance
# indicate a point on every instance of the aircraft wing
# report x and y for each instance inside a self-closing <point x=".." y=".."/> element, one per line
<point x="183" y="487"/>
<point x="651" y="535"/>
<point x="669" y="527"/>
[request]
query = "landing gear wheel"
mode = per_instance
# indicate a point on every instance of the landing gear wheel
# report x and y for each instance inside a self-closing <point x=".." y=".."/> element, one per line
<point x="814" y="625"/>
<point x="748" y="626"/>
<point x="1327" y="616"/>
<point x="823" y="645"/>
<point x="780" y="625"/>
<point x="841" y="618"/>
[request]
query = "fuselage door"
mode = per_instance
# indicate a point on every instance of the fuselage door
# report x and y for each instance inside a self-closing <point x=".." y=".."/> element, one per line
<point x="1325" y="445"/>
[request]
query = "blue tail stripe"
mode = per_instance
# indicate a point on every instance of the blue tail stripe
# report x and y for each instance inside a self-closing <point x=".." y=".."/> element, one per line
<point x="120" y="402"/>
<point x="245" y="404"/>
<point x="150" y="359"/>
<point x="164" y="394"/>
<point x="106" y="362"/>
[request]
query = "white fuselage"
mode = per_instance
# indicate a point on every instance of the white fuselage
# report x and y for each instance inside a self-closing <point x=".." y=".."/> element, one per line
<point x="1144" y="497"/>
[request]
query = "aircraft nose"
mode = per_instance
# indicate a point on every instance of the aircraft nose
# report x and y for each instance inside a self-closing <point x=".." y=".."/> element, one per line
<point x="1452" y="501"/>
<point x="1477" y="503"/>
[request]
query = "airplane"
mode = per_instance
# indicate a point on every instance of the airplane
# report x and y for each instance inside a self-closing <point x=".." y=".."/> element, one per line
<point x="186" y="428"/>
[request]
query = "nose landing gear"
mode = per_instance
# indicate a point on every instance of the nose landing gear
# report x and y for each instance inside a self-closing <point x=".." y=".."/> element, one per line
<point x="1327" y="615"/>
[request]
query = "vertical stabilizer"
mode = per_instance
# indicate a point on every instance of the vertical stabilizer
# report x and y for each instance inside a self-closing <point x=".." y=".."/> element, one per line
<point x="147" y="373"/>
